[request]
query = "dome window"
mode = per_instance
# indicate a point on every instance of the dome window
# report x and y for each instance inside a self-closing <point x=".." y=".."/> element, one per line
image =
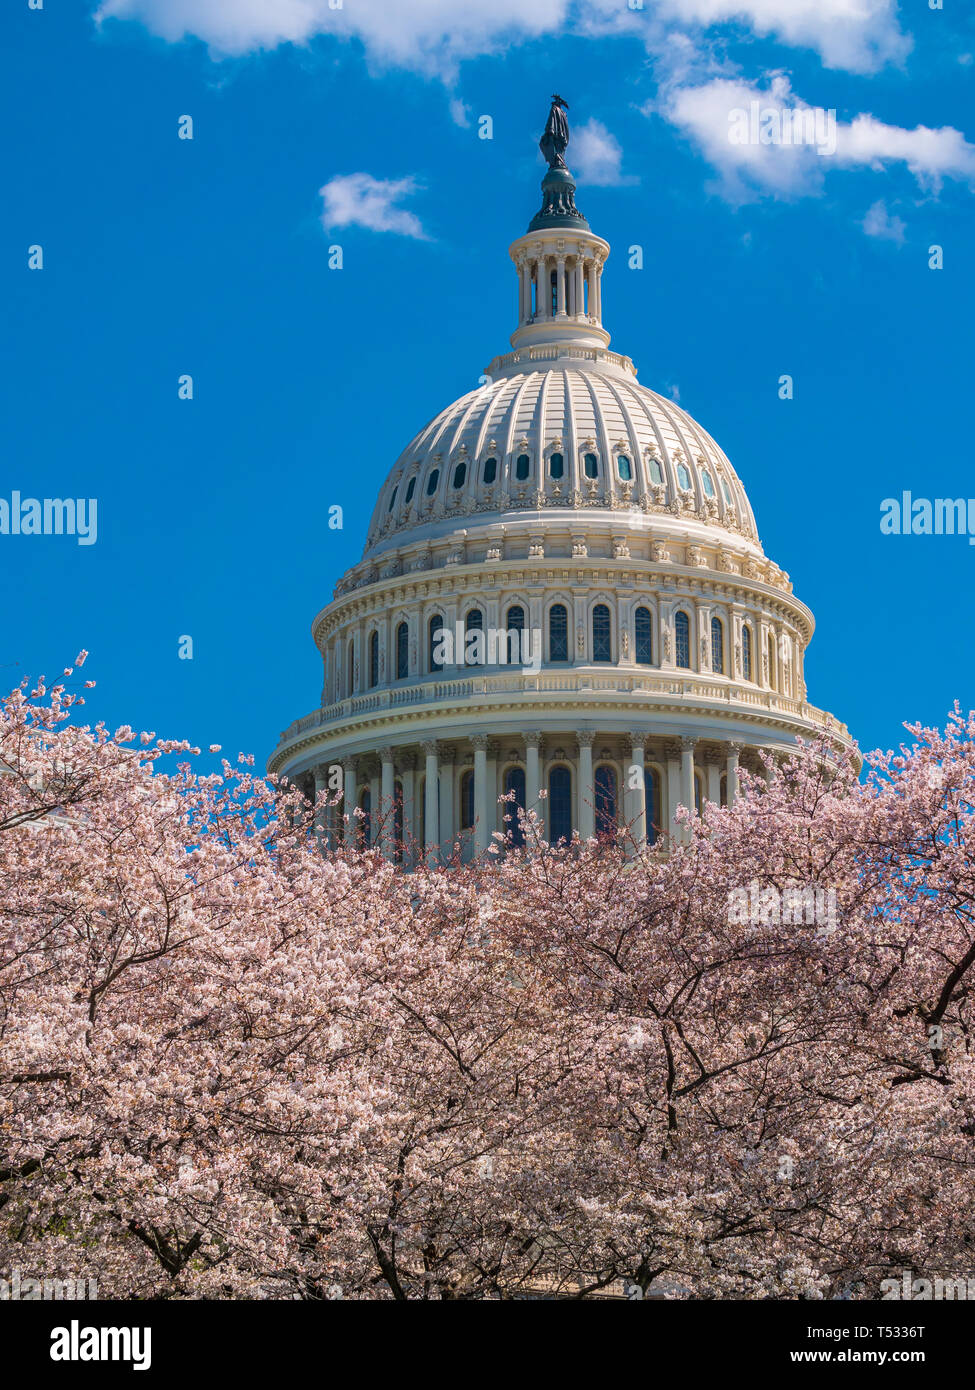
<point x="437" y="635"/>
<point x="373" y="660"/>
<point x="624" y="468"/>
<point x="402" y="652"/>
<point x="591" y="466"/>
<point x="460" y="475"/>
<point x="410" y="489"/>
<point x="643" y="624"/>
<point x="558" y="633"/>
<point x="601" y="634"/>
<point x="522" y="466"/>
<point x="432" y="482"/>
<point x="556" y="466"/>
<point x="392" y="498"/>
<point x="727" y="492"/>
<point x="683" y="477"/>
<point x="746" y="652"/>
<point x="490" y="470"/>
<point x="717" y="646"/>
<point x="656" y="472"/>
<point x="708" y="485"/>
<point x="559" y="804"/>
<point x="682" y="640"/>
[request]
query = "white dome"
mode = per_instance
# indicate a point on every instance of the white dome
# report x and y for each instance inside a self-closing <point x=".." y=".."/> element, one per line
<point x="579" y="403"/>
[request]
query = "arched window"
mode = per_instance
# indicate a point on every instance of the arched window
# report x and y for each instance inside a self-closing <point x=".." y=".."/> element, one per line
<point x="717" y="646"/>
<point x="515" y="623"/>
<point x="436" y="627"/>
<point x="558" y="633"/>
<point x="624" y="468"/>
<point x="373" y="659"/>
<point x="590" y="466"/>
<point x="770" y="648"/>
<point x="708" y="485"/>
<point x="683" y="477"/>
<point x="350" y="672"/>
<point x="643" y="627"/>
<point x="682" y="640"/>
<point x="490" y="470"/>
<point x="727" y="491"/>
<point x="467" y="800"/>
<point x="559" y="804"/>
<point x="556" y="466"/>
<point x="601" y="634"/>
<point x="392" y="498"/>
<point x="605" y="802"/>
<point x="522" y="465"/>
<point x="746" y="652"/>
<point x="398" y="822"/>
<point x="656" y="472"/>
<point x="651" y="804"/>
<point x="460" y="474"/>
<point x="402" y="651"/>
<point x="410" y="489"/>
<point x="474" y="654"/>
<point x="432" y="482"/>
<point x="365" y="821"/>
<point x="514" y="781"/>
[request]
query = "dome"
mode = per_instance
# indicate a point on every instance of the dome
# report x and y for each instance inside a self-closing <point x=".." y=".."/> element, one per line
<point x="562" y="601"/>
<point x="558" y="427"/>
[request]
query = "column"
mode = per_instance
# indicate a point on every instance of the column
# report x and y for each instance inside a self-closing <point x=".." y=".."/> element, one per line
<point x="543" y="291"/>
<point x="431" y="813"/>
<point x="586" y="821"/>
<point x="591" y="277"/>
<point x="687" y="774"/>
<point x="533" y="781"/>
<point x="386" y="811"/>
<point x="733" y="751"/>
<point x="375" y="810"/>
<point x="712" y="762"/>
<point x="321" y="812"/>
<point x="598" y="281"/>
<point x="635" y="801"/>
<point x="408" y="778"/>
<point x="673" y="751"/>
<point x="492" y="789"/>
<point x="560" y="286"/>
<point x="524" y="291"/>
<point x="480" y="742"/>
<point x="447" y="755"/>
<point x="349" y="795"/>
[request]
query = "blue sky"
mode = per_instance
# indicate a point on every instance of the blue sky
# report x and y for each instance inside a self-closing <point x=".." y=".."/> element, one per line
<point x="209" y="257"/>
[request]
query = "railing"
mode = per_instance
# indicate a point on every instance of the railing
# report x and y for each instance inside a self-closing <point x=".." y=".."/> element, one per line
<point x="579" y="682"/>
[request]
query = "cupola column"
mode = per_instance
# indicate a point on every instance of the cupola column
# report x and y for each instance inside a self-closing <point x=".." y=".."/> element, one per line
<point x="560" y="286"/>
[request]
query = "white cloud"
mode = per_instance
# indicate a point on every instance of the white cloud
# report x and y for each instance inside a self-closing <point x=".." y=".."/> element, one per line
<point x="879" y="223"/>
<point x="359" y="200"/>
<point x="429" y="36"/>
<point x="460" y="112"/>
<point x="433" y="36"/>
<point x="710" y="114"/>
<point x="596" y="156"/>
<point x="859" y="35"/>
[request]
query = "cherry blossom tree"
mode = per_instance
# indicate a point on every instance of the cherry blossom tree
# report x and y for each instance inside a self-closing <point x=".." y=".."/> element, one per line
<point x="235" y="1063"/>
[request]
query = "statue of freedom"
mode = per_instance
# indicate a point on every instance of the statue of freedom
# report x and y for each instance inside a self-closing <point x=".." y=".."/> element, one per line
<point x="556" y="136"/>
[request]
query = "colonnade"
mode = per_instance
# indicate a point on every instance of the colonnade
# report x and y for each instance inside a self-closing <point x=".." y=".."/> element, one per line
<point x="429" y="798"/>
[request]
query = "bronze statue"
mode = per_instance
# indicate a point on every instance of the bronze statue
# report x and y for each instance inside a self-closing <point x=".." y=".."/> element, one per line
<point x="556" y="136"/>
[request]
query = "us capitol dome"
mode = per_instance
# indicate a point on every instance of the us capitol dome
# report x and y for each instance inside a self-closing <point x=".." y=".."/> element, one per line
<point x="562" y="590"/>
